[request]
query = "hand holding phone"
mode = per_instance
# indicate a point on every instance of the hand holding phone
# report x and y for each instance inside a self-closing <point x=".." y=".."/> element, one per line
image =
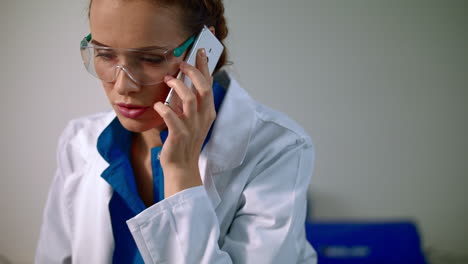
<point x="188" y="122"/>
<point x="213" y="47"/>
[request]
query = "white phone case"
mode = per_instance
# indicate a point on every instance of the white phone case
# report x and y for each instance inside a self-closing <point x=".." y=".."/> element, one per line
<point x="213" y="48"/>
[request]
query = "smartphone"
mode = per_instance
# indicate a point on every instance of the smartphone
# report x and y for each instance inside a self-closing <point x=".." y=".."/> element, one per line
<point x="213" y="47"/>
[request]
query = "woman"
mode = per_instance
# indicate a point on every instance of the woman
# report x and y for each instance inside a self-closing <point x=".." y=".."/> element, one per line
<point x="223" y="182"/>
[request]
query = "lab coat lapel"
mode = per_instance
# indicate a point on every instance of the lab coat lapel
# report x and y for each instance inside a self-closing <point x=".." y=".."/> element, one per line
<point x="228" y="143"/>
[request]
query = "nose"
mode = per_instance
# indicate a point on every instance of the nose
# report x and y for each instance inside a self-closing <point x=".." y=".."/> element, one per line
<point x="124" y="83"/>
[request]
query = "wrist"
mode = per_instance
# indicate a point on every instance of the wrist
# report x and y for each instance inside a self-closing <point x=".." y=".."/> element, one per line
<point x="179" y="179"/>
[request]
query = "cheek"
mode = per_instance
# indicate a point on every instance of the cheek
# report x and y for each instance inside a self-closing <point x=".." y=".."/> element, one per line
<point x="107" y="89"/>
<point x="160" y="92"/>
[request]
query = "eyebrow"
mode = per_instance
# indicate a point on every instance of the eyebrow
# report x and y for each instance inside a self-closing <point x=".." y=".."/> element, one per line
<point x="140" y="48"/>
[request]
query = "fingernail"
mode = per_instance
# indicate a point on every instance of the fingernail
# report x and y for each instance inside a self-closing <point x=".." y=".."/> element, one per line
<point x="203" y="52"/>
<point x="168" y="78"/>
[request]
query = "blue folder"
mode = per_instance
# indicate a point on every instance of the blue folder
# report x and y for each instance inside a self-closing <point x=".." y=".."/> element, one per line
<point x="366" y="242"/>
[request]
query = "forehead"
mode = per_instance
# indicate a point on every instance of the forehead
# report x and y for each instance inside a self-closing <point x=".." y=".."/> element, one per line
<point x="135" y="23"/>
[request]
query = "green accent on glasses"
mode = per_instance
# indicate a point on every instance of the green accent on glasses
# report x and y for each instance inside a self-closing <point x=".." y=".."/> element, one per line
<point x="181" y="49"/>
<point x="177" y="51"/>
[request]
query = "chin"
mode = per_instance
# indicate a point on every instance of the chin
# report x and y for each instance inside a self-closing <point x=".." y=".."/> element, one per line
<point x="141" y="125"/>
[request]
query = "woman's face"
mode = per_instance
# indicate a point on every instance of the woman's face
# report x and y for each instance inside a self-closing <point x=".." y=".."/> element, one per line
<point x="136" y="24"/>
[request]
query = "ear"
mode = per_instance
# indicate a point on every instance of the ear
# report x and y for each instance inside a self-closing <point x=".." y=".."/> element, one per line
<point x="212" y="29"/>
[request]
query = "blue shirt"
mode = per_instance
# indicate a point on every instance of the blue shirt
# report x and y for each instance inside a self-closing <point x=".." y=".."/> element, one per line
<point x="114" y="146"/>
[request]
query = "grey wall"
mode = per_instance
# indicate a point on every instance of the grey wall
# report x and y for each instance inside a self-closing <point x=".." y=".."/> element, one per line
<point x="381" y="86"/>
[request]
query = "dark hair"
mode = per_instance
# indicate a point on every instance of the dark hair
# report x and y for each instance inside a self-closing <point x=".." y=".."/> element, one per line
<point x="196" y="14"/>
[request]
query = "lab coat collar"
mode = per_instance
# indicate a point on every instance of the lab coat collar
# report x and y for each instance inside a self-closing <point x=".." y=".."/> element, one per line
<point x="232" y="129"/>
<point x="231" y="135"/>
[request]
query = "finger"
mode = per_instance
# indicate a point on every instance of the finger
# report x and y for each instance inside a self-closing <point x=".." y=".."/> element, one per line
<point x="202" y="64"/>
<point x="174" y="124"/>
<point x="201" y="84"/>
<point x="188" y="98"/>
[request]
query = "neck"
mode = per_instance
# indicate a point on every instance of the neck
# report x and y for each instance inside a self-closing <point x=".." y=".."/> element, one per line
<point x="148" y="139"/>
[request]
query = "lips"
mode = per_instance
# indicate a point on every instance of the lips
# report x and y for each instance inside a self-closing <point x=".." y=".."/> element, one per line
<point x="131" y="111"/>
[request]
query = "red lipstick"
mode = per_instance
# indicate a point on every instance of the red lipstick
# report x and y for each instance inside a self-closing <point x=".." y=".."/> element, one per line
<point x="130" y="110"/>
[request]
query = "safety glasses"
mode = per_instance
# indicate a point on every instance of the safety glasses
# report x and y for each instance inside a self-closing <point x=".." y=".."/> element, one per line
<point x="143" y="66"/>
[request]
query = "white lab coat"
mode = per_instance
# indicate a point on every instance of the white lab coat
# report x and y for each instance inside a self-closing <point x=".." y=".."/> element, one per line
<point x="251" y="208"/>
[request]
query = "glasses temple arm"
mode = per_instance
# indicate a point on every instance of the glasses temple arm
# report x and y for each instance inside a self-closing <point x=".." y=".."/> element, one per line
<point x="181" y="49"/>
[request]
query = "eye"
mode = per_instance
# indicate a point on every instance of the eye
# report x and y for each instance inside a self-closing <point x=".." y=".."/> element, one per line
<point x="151" y="59"/>
<point x="105" y="55"/>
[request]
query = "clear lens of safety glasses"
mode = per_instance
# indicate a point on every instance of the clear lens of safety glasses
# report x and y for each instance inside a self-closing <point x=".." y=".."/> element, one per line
<point x="145" y="67"/>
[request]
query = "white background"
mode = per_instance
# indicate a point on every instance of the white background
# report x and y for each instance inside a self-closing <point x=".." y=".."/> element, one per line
<point x="381" y="86"/>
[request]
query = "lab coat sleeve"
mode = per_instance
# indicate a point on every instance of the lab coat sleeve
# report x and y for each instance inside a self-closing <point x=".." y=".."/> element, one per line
<point x="267" y="228"/>
<point x="54" y="245"/>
